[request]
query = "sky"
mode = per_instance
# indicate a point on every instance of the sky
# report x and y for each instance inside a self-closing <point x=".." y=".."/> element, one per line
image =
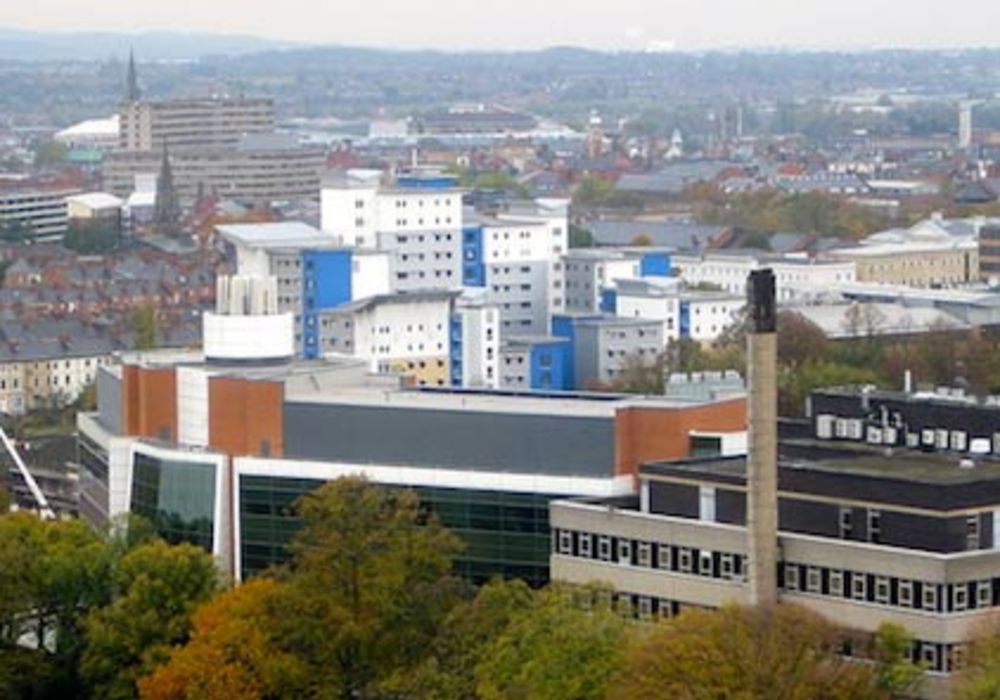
<point x="530" y="24"/>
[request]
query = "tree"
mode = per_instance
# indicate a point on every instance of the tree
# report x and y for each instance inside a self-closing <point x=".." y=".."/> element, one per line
<point x="897" y="674"/>
<point x="144" y="328"/>
<point x="639" y="375"/>
<point x="799" y="339"/>
<point x="157" y="588"/>
<point x="743" y="653"/>
<point x="980" y="679"/>
<point x="796" y="383"/>
<point x="51" y="573"/>
<point x="642" y="240"/>
<point x="567" y="644"/>
<point x="580" y="237"/>
<point x="463" y="644"/>
<point x="370" y="583"/>
<point x="233" y="652"/>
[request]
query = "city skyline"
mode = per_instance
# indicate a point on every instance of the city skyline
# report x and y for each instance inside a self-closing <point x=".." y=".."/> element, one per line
<point x="632" y="25"/>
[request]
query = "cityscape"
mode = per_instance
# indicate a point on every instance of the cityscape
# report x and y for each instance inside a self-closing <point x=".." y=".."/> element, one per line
<point x="391" y="371"/>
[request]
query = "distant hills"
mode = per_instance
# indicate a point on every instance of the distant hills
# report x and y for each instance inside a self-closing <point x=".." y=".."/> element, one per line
<point x="21" y="45"/>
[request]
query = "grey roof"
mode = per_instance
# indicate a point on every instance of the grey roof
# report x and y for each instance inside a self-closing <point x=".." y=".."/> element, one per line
<point x="286" y="234"/>
<point x="666" y="234"/>
<point x="673" y="178"/>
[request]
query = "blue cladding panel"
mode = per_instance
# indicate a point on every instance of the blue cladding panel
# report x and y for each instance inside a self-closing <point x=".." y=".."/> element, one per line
<point x="547" y="366"/>
<point x="685" y="323"/>
<point x="455" y="350"/>
<point x="473" y="269"/>
<point x="609" y="301"/>
<point x="326" y="278"/>
<point x="440" y="182"/>
<point x="655" y="265"/>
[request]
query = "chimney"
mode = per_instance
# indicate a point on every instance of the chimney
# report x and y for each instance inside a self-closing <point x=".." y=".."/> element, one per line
<point x="762" y="449"/>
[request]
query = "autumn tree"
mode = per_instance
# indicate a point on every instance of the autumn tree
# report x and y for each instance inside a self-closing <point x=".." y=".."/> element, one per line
<point x="980" y="679"/>
<point x="369" y="585"/>
<point x="233" y="652"/>
<point x="156" y="587"/>
<point x="743" y="653"/>
<point x="144" y="328"/>
<point x="799" y="339"/>
<point x="566" y="644"/>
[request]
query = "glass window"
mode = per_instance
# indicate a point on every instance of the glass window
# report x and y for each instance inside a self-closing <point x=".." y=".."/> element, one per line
<point x="904" y="593"/>
<point x="178" y="497"/>
<point x="663" y="557"/>
<point x="859" y="586"/>
<point x="930" y="597"/>
<point x="984" y="594"/>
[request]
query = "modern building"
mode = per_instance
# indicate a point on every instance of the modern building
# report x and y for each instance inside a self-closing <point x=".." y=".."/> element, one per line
<point x="39" y="211"/>
<point x="475" y="345"/>
<point x="682" y="312"/>
<point x="210" y="123"/>
<point x="215" y="447"/>
<point x="100" y="135"/>
<point x="259" y="169"/>
<point x="797" y="278"/>
<point x="590" y="271"/>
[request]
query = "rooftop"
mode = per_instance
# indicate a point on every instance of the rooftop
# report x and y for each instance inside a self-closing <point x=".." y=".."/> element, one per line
<point x="286" y="234"/>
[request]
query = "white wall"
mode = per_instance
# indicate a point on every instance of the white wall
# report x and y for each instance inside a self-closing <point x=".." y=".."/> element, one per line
<point x="192" y="406"/>
<point x="392" y="331"/>
<point x="248" y="337"/>
<point x="370" y="275"/>
<point x="350" y="214"/>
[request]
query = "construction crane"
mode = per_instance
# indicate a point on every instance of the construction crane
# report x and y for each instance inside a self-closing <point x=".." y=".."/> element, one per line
<point x="43" y="503"/>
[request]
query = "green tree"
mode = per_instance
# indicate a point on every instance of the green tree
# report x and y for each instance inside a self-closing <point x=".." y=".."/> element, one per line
<point x="370" y="583"/>
<point x="795" y="384"/>
<point x="580" y="237"/>
<point x="566" y="644"/>
<point x="980" y="679"/>
<point x="144" y="328"/>
<point x="897" y="674"/>
<point x="51" y="573"/>
<point x="743" y="653"/>
<point x="157" y="587"/>
<point x="463" y="644"/>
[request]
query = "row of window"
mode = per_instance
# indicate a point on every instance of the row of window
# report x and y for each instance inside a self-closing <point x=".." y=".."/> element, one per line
<point x="650" y="555"/>
<point x="420" y="237"/>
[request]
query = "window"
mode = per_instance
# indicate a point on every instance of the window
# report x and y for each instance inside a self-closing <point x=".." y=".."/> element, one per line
<point x="791" y="577"/>
<point x="565" y="542"/>
<point x="984" y="594"/>
<point x="604" y="548"/>
<point x="960" y="597"/>
<point x="972" y="532"/>
<point x="645" y="607"/>
<point x="874" y="525"/>
<point x="584" y="544"/>
<point x="625" y="552"/>
<point x="882" y="590"/>
<point x="706" y="566"/>
<point x="814" y="580"/>
<point x="904" y="593"/>
<point x="727" y="566"/>
<point x="929" y="656"/>
<point x="644" y="554"/>
<point x="663" y="558"/>
<point x="859" y="586"/>
<point x="685" y="561"/>
<point x="930" y="597"/>
<point x="846" y="526"/>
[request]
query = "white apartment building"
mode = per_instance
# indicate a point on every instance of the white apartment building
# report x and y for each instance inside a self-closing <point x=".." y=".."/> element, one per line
<point x="418" y="220"/>
<point x="590" y="271"/>
<point x="475" y="345"/>
<point x="684" y="313"/>
<point x="795" y="278"/>
<point x="404" y="333"/>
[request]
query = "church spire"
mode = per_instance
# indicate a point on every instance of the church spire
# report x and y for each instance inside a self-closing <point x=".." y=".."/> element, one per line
<point x="132" y="92"/>
<point x="167" y="212"/>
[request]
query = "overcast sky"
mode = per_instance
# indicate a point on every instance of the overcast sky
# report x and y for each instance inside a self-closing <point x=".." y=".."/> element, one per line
<point x="515" y="24"/>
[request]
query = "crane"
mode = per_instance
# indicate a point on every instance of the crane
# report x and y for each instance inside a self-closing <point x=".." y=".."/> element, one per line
<point x="43" y="503"/>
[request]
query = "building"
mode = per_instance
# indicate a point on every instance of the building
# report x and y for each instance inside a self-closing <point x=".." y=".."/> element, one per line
<point x="215" y="447"/>
<point x="796" y="277"/>
<point x="259" y="169"/>
<point x="683" y="312"/>
<point x="535" y="362"/>
<point x="211" y="123"/>
<point x="882" y="507"/>
<point x="38" y="211"/>
<point x="936" y="252"/>
<point x="94" y="210"/>
<point x="475" y="345"/>
<point x="90" y="135"/>
<point x="405" y="333"/>
<point x="989" y="253"/>
<point x="589" y="271"/>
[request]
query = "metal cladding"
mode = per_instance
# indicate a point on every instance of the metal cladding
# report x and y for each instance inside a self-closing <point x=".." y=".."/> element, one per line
<point x="762" y="441"/>
<point x="760" y="301"/>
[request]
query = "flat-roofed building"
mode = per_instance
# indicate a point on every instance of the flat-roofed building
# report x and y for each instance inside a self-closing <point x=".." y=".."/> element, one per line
<point x="192" y="123"/>
<point x="216" y="451"/>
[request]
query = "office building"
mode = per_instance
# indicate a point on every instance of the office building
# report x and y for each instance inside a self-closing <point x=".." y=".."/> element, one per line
<point x="39" y="211"/>
<point x="887" y="512"/>
<point x="210" y="123"/>
<point x="989" y="253"/>
<point x="683" y="312"/>
<point x="259" y="169"/>
<point x="474" y="339"/>
<point x="215" y="447"/>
